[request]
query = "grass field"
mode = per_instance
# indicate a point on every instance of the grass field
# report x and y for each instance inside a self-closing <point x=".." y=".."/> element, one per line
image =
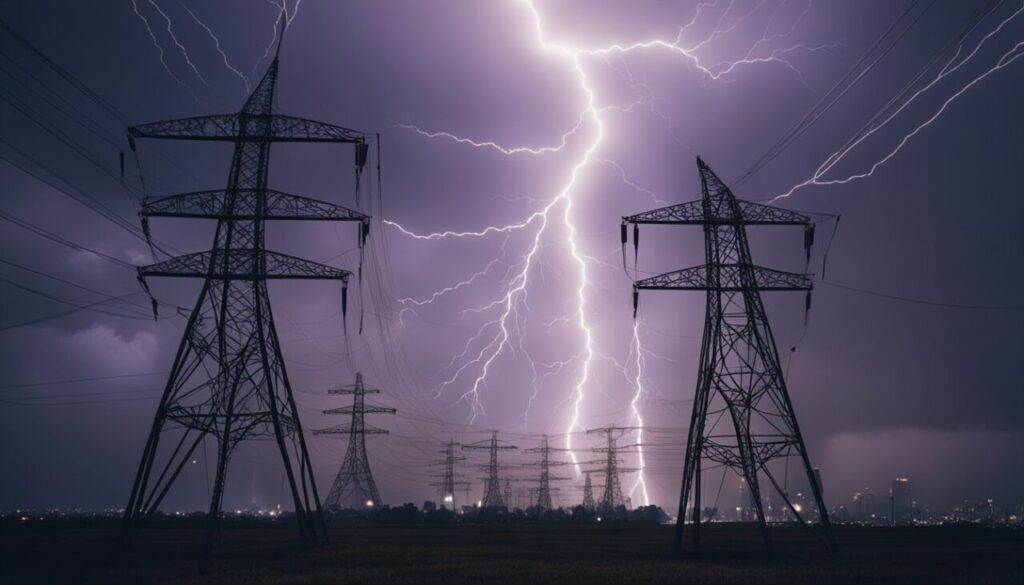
<point x="399" y="555"/>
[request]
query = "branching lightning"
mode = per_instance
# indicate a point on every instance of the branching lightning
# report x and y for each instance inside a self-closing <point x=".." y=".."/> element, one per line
<point x="503" y="333"/>
<point x="160" y="50"/>
<point x="283" y="12"/>
<point x="639" y="365"/>
<point x="950" y="67"/>
<point x="551" y="219"/>
<point x="216" y="42"/>
<point x="282" y="6"/>
<point x="177" y="43"/>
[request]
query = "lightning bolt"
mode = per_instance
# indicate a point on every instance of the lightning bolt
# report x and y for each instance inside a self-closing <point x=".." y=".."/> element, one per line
<point x="951" y="66"/>
<point x="174" y="39"/>
<point x="216" y="42"/>
<point x="160" y="50"/>
<point x="639" y="366"/>
<point x="282" y="7"/>
<point x="502" y="333"/>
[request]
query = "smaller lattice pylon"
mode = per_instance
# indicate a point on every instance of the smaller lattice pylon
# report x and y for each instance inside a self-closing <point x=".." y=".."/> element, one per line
<point x="354" y="477"/>
<point x="492" y="488"/>
<point x="611" y="496"/>
<point x="588" y="493"/>
<point x="543" y="501"/>
<point x="449" y="478"/>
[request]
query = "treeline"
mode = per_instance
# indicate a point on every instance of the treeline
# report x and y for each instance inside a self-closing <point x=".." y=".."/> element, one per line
<point x="408" y="513"/>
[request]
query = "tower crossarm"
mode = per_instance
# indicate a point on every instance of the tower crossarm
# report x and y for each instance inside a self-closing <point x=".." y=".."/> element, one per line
<point x="243" y="264"/>
<point x="488" y="447"/>
<point x="363" y="409"/>
<point x="346" y="430"/>
<point x="232" y="128"/>
<point x="350" y="390"/>
<point x="693" y="213"/>
<point x="546" y="449"/>
<point x="731" y="278"/>
<point x="246" y="204"/>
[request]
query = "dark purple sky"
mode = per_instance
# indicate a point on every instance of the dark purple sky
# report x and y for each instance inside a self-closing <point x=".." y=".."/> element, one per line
<point x="881" y="386"/>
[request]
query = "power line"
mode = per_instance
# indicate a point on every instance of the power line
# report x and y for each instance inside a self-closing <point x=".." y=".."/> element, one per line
<point x="78" y="380"/>
<point x="927" y="302"/>
<point x="66" y="75"/>
<point x="85" y="199"/>
<point x="78" y="116"/>
<point x="828" y="100"/>
<point x="89" y="307"/>
<point x="37" y="119"/>
<point x="26" y="225"/>
<point x="81" y="198"/>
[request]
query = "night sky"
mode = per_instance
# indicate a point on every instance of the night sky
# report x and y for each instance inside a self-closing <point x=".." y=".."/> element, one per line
<point x="493" y="114"/>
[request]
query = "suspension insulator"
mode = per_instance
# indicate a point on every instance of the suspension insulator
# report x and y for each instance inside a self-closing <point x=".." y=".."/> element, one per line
<point x="155" y="304"/>
<point x="636" y="238"/>
<point x="808" y="239"/>
<point x="636" y="301"/>
<point x="807" y="307"/>
<point x="344" y="301"/>
<point x="366" y="231"/>
<point x="623" y="234"/>
<point x="131" y="141"/>
<point x="362" y="152"/>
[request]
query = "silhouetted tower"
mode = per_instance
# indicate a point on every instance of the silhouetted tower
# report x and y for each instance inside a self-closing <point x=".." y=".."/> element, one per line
<point x="448" y="483"/>
<point x="354" y="477"/>
<point x="588" y="493"/>
<point x="543" y="501"/>
<point x="492" y="488"/>
<point x="228" y="379"/>
<point x="739" y="374"/>
<point x="611" y="497"/>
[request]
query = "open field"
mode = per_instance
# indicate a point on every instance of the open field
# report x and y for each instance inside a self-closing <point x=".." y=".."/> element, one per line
<point x="399" y="555"/>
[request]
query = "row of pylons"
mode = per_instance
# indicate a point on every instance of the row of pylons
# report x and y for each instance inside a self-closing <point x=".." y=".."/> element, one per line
<point x="228" y="381"/>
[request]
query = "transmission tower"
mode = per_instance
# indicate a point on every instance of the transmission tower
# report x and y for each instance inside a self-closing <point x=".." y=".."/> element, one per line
<point x="355" y="476"/>
<point x="588" y="494"/>
<point x="492" y="488"/>
<point x="228" y="378"/>
<point x="508" y="493"/>
<point x="543" y="501"/>
<point x="739" y="372"/>
<point x="449" y="478"/>
<point x="611" y="497"/>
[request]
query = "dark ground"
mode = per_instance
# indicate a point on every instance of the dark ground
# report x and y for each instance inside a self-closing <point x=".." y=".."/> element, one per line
<point x="398" y="555"/>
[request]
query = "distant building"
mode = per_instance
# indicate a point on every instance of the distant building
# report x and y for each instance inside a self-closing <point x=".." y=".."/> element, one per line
<point x="863" y="508"/>
<point x="901" y="502"/>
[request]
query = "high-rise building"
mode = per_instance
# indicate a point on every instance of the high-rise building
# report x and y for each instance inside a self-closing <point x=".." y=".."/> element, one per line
<point x="863" y="509"/>
<point x="901" y="502"/>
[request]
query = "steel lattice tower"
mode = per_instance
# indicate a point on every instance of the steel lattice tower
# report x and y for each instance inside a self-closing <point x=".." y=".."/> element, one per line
<point x="611" y="497"/>
<point x="355" y="475"/>
<point x="228" y="379"/>
<point x="448" y="475"/>
<point x="740" y="379"/>
<point x="492" y="488"/>
<point x="543" y="501"/>
<point x="588" y="493"/>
